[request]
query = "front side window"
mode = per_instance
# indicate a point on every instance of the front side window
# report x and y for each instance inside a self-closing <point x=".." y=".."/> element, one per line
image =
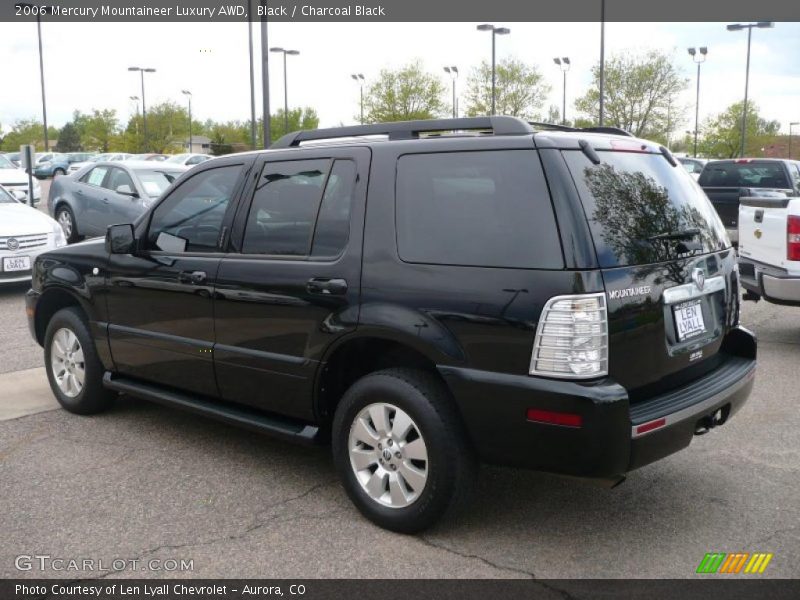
<point x="120" y="181"/>
<point x="284" y="208"/>
<point x="190" y="219"/>
<point x="487" y="209"/>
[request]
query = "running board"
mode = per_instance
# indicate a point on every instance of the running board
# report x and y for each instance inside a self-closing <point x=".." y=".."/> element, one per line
<point x="240" y="416"/>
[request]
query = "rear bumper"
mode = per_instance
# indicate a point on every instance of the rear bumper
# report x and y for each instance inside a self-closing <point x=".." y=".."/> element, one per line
<point x="774" y="284"/>
<point x="607" y="443"/>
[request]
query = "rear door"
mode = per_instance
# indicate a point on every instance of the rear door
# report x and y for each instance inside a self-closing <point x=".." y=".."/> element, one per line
<point x="666" y="263"/>
<point x="291" y="286"/>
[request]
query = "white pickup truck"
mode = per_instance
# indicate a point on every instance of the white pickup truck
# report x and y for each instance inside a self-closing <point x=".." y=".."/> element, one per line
<point x="769" y="249"/>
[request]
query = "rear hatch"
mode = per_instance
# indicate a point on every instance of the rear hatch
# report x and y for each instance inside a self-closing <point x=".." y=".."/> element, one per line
<point x="726" y="181"/>
<point x="666" y="261"/>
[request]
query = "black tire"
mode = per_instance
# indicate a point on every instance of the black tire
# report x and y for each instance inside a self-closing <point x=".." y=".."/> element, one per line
<point x="64" y="214"/>
<point x="93" y="397"/>
<point x="451" y="465"/>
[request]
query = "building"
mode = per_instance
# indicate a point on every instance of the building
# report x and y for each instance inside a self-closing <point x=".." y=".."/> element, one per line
<point x="199" y="144"/>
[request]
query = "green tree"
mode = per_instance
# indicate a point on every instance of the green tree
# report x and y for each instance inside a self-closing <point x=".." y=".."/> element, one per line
<point x="69" y="139"/>
<point x="299" y="118"/>
<point x="640" y="94"/>
<point x="27" y="131"/>
<point x="404" y="94"/>
<point x="722" y="134"/>
<point x="98" y="130"/>
<point x="519" y="90"/>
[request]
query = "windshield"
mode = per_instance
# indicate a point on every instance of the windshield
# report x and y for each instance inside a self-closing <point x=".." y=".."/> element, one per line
<point x="6" y="198"/>
<point x="5" y="163"/>
<point x="745" y="174"/>
<point x="642" y="210"/>
<point x="155" y="181"/>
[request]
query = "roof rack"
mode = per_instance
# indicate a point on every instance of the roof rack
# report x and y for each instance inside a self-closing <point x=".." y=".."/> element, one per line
<point x="554" y="126"/>
<point x="407" y="130"/>
<point x="613" y="130"/>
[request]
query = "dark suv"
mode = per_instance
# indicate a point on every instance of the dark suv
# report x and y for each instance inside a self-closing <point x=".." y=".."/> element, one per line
<point x="421" y="295"/>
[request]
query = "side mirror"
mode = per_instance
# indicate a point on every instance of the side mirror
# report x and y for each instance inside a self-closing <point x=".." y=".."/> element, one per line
<point x="19" y="195"/>
<point x="126" y="190"/>
<point x="120" y="239"/>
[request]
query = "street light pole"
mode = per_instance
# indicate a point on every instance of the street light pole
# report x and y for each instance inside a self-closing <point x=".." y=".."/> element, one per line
<point x="142" y="71"/>
<point x="39" y="10"/>
<point x="495" y="32"/>
<point x="790" y="137"/>
<point x="266" y="119"/>
<point x="359" y="79"/>
<point x="188" y="94"/>
<point x="749" y="27"/>
<point x="453" y="72"/>
<point x="698" y="58"/>
<point x="602" y="60"/>
<point x="285" y="86"/>
<point x="252" y="75"/>
<point x="563" y="64"/>
<point x="136" y="100"/>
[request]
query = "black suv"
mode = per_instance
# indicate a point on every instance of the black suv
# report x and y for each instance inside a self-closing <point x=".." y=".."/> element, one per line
<point x="421" y="295"/>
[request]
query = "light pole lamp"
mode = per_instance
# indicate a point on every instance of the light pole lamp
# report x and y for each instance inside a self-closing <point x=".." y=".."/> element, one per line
<point x="749" y="27"/>
<point x="698" y="56"/>
<point x="563" y="64"/>
<point x="453" y="72"/>
<point x="142" y="71"/>
<point x="495" y="32"/>
<point x="359" y="79"/>
<point x="285" y="85"/>
<point x="188" y="95"/>
<point x="790" y="137"/>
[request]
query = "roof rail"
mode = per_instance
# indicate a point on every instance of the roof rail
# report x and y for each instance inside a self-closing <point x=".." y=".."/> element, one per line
<point x="613" y="130"/>
<point x="406" y="130"/>
<point x="554" y="126"/>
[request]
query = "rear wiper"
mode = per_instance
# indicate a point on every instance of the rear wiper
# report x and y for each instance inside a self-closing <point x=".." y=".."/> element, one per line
<point x="676" y="235"/>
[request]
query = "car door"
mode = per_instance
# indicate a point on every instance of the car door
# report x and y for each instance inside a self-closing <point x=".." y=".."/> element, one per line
<point x="88" y="205"/>
<point x="121" y="202"/>
<point x="290" y="285"/>
<point x="160" y="299"/>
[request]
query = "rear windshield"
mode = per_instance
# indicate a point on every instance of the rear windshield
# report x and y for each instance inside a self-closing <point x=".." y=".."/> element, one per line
<point x="155" y="181"/>
<point x="642" y="210"/>
<point x="749" y="174"/>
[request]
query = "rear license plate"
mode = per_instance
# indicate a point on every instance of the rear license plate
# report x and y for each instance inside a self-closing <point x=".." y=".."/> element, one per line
<point x="689" y="319"/>
<point x="17" y="263"/>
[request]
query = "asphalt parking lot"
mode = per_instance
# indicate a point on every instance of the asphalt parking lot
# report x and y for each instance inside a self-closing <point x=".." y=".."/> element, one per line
<point x="144" y="482"/>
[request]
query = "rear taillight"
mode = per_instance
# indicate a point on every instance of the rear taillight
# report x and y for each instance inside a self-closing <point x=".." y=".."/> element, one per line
<point x="793" y="238"/>
<point x="572" y="338"/>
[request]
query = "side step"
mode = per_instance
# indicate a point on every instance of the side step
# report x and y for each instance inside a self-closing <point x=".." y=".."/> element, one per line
<point x="240" y="416"/>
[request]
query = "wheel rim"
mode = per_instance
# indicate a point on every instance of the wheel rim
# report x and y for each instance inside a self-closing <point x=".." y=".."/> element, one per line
<point x="67" y="362"/>
<point x="388" y="455"/>
<point x="66" y="222"/>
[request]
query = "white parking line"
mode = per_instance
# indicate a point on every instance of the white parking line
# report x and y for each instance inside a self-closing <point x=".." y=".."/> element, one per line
<point x="25" y="393"/>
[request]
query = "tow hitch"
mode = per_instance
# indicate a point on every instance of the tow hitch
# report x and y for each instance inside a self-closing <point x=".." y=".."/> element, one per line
<point x="715" y="419"/>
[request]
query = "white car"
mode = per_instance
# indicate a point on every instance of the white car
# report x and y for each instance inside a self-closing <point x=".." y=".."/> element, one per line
<point x="188" y="160"/>
<point x="13" y="178"/>
<point x="25" y="232"/>
<point x="109" y="156"/>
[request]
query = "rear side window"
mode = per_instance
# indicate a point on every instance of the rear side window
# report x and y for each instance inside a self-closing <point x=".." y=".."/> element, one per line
<point x="642" y="210"/>
<point x="745" y="174"/>
<point x="95" y="176"/>
<point x="486" y="209"/>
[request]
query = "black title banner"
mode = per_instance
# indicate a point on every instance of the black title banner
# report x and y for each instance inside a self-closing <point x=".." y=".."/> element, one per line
<point x="400" y="10"/>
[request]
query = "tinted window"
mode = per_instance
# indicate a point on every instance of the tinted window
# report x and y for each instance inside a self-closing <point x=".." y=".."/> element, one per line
<point x="633" y="200"/>
<point x="118" y="178"/>
<point x="488" y="209"/>
<point x="333" y="223"/>
<point x="284" y="207"/>
<point x="194" y="211"/>
<point x="744" y="174"/>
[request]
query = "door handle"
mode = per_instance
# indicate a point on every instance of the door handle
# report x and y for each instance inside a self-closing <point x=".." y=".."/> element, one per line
<point x="192" y="277"/>
<point x="105" y="200"/>
<point x="328" y="287"/>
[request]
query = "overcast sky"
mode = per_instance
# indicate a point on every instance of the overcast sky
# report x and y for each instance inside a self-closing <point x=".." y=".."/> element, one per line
<point x="86" y="63"/>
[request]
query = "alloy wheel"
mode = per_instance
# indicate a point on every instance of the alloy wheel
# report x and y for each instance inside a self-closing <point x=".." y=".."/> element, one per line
<point x="67" y="362"/>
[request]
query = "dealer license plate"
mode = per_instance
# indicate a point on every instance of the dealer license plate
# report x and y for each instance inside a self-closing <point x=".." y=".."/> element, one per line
<point x="689" y="319"/>
<point x="17" y="263"/>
